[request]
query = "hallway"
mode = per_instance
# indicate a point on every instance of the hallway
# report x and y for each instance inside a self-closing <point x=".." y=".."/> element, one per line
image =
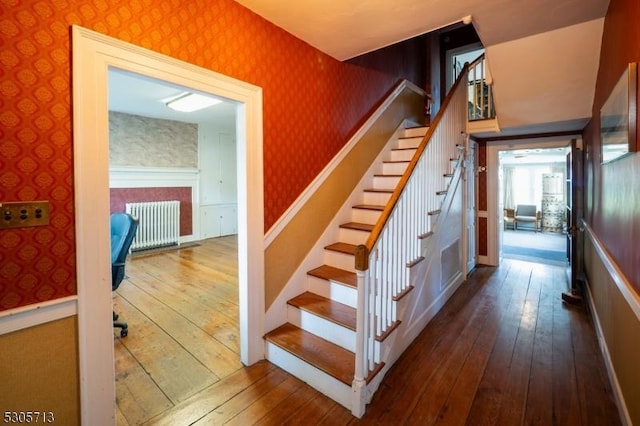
<point x="504" y="350"/>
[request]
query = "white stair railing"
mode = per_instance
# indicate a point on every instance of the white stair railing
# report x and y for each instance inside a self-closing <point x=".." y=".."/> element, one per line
<point x="481" y="106"/>
<point x="382" y="264"/>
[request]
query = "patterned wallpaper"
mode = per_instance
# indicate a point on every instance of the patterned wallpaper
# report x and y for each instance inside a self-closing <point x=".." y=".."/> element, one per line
<point x="312" y="104"/>
<point x="151" y="142"/>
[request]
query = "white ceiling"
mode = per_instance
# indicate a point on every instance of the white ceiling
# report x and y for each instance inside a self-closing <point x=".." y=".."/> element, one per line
<point x="543" y="55"/>
<point x="140" y="95"/>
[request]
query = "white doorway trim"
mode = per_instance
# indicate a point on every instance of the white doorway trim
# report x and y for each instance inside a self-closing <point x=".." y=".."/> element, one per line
<point x="93" y="55"/>
<point x="494" y="209"/>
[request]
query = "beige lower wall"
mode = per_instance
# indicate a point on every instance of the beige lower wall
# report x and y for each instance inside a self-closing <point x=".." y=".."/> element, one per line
<point x="39" y="371"/>
<point x="293" y="243"/>
<point x="620" y="328"/>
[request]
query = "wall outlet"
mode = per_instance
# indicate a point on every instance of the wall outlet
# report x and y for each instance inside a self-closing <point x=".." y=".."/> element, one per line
<point x="22" y="214"/>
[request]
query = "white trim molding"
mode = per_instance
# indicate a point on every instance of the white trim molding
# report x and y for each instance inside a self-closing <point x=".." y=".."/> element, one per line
<point x="631" y="297"/>
<point x="617" y="276"/>
<point x="494" y="210"/>
<point x="93" y="55"/>
<point x="38" y="313"/>
<point x="146" y="177"/>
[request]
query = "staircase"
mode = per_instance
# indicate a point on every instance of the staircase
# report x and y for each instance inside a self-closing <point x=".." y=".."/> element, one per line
<point x="377" y="277"/>
<point x="318" y="342"/>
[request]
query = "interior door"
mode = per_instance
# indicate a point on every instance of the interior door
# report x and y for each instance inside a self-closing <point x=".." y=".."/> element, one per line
<point x="470" y="206"/>
<point x="574" y="183"/>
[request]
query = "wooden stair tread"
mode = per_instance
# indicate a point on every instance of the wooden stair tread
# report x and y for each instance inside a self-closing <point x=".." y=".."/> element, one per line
<point x="322" y="354"/>
<point x="358" y="226"/>
<point x="326" y="308"/>
<point x="389" y="176"/>
<point x="345" y="248"/>
<point x="368" y="207"/>
<point x="331" y="273"/>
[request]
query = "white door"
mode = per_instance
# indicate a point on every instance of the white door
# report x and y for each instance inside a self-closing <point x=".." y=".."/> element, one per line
<point x="470" y="207"/>
<point x="218" y="183"/>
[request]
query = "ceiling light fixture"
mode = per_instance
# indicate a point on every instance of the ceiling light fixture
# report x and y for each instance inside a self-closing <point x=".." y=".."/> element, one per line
<point x="189" y="102"/>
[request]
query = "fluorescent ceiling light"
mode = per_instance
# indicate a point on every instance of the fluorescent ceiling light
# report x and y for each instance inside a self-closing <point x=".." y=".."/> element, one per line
<point x="189" y="102"/>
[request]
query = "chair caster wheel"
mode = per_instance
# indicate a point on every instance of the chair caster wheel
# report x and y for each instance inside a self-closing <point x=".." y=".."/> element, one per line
<point x="124" y="332"/>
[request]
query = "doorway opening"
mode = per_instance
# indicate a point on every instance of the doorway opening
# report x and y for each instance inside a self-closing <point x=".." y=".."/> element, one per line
<point x="532" y="197"/>
<point x="183" y="297"/>
<point x="93" y="55"/>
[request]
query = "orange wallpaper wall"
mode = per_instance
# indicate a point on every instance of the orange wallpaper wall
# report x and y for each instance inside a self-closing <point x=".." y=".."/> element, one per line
<point x="312" y="103"/>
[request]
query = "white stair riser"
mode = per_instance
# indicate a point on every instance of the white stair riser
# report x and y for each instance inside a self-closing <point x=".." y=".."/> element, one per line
<point x="385" y="182"/>
<point x="318" y="379"/>
<point x="365" y="215"/>
<point x="321" y="327"/>
<point x="340" y="293"/>
<point x="339" y="260"/>
<point x="376" y="198"/>
<point x="352" y="236"/>
<point x="401" y="154"/>
<point x="394" y="168"/>
<point x="409" y="142"/>
<point x="414" y="131"/>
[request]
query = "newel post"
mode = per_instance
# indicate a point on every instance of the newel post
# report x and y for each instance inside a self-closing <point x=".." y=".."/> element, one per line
<point x="359" y="385"/>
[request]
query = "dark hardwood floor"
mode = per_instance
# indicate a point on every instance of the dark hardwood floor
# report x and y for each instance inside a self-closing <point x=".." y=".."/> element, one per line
<point x="504" y="350"/>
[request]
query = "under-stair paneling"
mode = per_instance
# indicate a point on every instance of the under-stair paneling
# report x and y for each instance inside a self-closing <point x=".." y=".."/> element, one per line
<point x="618" y="326"/>
<point x="296" y="239"/>
<point x="439" y="275"/>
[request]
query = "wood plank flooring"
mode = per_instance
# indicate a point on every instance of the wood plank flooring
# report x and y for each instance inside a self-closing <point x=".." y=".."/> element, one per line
<point x="504" y="350"/>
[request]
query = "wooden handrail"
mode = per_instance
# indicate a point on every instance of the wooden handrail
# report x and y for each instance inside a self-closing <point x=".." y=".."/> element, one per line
<point x="365" y="249"/>
<point x="475" y="61"/>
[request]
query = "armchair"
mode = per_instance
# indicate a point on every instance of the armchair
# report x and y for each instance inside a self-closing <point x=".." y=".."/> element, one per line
<point x="526" y="213"/>
<point x="123" y="230"/>
<point x="509" y="219"/>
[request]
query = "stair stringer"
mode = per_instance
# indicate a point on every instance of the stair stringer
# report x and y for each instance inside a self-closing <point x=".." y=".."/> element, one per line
<point x="298" y="282"/>
<point x="431" y="290"/>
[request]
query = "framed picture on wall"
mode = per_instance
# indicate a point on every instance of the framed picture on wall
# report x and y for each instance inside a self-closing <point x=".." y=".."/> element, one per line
<point x="618" y="117"/>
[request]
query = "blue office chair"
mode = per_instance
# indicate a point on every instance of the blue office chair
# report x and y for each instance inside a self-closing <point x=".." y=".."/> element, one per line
<point x="123" y="230"/>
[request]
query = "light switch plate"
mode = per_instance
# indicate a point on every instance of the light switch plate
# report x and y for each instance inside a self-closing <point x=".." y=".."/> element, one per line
<point x="22" y="214"/>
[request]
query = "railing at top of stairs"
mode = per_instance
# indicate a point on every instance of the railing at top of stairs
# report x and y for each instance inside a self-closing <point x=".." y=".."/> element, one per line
<point x="481" y="103"/>
<point x="382" y="262"/>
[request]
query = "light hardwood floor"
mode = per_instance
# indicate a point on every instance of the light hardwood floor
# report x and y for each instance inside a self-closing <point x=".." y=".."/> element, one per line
<point x="504" y="350"/>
